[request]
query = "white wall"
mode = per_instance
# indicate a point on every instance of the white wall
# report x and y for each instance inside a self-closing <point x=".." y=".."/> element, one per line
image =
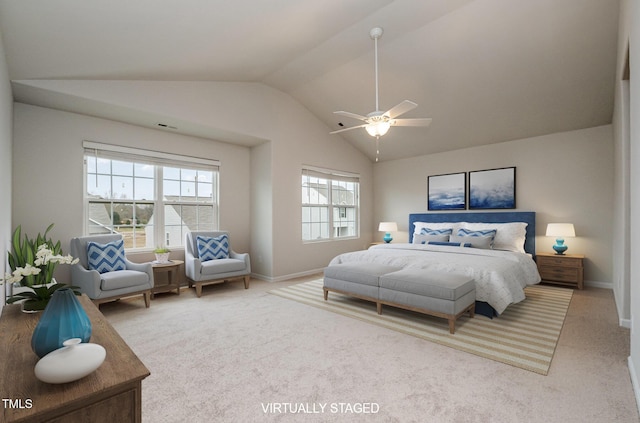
<point x="48" y="170"/>
<point x="295" y="138"/>
<point x="621" y="137"/>
<point x="563" y="177"/>
<point x="6" y="124"/>
<point x="262" y="210"/>
<point x="632" y="14"/>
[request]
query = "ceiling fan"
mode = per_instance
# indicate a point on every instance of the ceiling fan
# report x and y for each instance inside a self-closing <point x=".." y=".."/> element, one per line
<point x="377" y="123"/>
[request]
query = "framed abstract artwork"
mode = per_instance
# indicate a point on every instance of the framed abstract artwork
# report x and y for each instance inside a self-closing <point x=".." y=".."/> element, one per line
<point x="492" y="189"/>
<point x="447" y="192"/>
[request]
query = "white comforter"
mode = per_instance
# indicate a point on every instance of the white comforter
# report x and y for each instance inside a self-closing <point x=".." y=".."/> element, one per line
<point x="500" y="275"/>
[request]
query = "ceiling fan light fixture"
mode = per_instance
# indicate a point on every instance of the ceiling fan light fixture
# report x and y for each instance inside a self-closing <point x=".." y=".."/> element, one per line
<point x="378" y="129"/>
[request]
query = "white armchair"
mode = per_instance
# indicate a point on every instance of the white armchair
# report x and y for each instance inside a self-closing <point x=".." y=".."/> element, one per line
<point x="109" y="286"/>
<point x="208" y="272"/>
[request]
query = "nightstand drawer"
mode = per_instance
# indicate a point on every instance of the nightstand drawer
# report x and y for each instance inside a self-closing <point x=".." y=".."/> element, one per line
<point x="563" y="261"/>
<point x="564" y="274"/>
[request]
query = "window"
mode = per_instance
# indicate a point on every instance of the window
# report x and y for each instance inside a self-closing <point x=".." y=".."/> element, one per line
<point x="330" y="204"/>
<point x="150" y="198"/>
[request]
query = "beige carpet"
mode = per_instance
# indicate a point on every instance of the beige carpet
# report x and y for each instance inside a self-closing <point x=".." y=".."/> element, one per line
<point x="227" y="355"/>
<point x="524" y="336"/>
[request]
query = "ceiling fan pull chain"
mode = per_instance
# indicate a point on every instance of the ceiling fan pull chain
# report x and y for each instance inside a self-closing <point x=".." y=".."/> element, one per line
<point x="377" y="148"/>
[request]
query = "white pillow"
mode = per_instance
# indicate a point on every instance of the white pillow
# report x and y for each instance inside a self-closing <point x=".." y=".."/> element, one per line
<point x="454" y="226"/>
<point x="509" y="236"/>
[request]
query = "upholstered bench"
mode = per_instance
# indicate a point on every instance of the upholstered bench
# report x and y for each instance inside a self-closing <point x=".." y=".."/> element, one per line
<point x="446" y="295"/>
<point x="356" y="279"/>
<point x="440" y="294"/>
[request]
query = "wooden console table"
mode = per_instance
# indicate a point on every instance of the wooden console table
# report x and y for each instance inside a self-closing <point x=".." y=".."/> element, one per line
<point x="113" y="393"/>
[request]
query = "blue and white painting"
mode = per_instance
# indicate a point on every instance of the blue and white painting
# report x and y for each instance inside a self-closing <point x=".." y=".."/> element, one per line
<point x="447" y="192"/>
<point x="493" y="189"/>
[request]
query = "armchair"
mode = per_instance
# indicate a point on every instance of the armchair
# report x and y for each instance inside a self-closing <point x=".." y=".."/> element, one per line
<point x="136" y="279"/>
<point x="206" y="272"/>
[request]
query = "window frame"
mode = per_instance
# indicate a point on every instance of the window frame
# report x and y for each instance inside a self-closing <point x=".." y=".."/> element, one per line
<point x="158" y="160"/>
<point x="331" y="176"/>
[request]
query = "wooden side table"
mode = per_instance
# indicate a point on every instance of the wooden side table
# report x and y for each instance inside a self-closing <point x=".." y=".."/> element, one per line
<point x="171" y="269"/>
<point x="113" y="393"/>
<point x="561" y="269"/>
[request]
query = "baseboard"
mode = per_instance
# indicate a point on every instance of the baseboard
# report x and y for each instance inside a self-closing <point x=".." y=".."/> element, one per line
<point x="598" y="284"/>
<point x="286" y="277"/>
<point x="625" y="323"/>
<point x="634" y="382"/>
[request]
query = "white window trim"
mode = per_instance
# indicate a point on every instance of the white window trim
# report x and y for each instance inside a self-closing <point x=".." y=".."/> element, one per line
<point x="157" y="158"/>
<point x="334" y="175"/>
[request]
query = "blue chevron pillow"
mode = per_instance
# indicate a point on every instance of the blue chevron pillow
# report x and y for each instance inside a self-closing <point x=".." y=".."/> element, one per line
<point x="490" y="233"/>
<point x="429" y="231"/>
<point x="213" y="248"/>
<point x="106" y="257"/>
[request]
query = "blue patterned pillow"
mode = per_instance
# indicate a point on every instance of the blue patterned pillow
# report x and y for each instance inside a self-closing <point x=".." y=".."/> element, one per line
<point x="106" y="257"/>
<point x="490" y="233"/>
<point x="429" y="231"/>
<point x="213" y="248"/>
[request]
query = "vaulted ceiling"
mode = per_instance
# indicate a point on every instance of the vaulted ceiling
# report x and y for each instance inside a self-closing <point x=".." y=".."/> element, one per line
<point x="486" y="71"/>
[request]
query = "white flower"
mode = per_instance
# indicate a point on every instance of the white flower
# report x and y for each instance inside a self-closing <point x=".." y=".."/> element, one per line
<point x="21" y="272"/>
<point x="45" y="256"/>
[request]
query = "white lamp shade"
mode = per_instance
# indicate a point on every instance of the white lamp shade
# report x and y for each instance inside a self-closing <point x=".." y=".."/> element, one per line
<point x="561" y="230"/>
<point x="388" y="227"/>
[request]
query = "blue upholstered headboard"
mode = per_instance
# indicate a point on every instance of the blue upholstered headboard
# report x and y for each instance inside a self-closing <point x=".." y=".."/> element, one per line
<point x="489" y="217"/>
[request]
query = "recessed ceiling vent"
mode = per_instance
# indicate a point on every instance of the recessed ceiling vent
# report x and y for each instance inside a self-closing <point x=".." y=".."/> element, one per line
<point x="165" y="126"/>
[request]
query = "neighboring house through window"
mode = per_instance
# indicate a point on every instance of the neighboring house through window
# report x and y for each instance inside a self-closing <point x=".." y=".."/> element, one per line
<point x="149" y="197"/>
<point x="330" y="204"/>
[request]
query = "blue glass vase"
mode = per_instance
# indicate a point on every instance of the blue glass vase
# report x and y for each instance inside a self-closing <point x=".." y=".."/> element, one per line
<point x="63" y="318"/>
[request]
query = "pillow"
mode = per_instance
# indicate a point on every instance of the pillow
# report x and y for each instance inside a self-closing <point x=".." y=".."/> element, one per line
<point x="106" y="257"/>
<point x="429" y="231"/>
<point x="475" y="241"/>
<point x="509" y="236"/>
<point x="451" y="244"/>
<point x="435" y="226"/>
<point x="424" y="238"/>
<point x="489" y="233"/>
<point x="213" y="248"/>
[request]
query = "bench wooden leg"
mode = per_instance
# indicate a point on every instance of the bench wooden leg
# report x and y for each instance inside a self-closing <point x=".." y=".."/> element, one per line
<point x="452" y="326"/>
<point x="326" y="294"/>
<point x="379" y="308"/>
<point x="198" y="290"/>
<point x="147" y="299"/>
<point x="246" y="282"/>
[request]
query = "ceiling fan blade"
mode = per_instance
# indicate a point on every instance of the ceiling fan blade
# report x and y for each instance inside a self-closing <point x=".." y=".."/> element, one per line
<point x="348" y="129"/>
<point x="351" y="115"/>
<point x="411" y="122"/>
<point x="401" y="108"/>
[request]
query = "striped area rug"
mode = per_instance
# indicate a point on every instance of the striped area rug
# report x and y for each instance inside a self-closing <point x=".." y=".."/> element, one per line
<point x="524" y="336"/>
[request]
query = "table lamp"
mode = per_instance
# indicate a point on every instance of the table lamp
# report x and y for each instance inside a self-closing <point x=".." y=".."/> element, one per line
<point x="388" y="227"/>
<point x="560" y="230"/>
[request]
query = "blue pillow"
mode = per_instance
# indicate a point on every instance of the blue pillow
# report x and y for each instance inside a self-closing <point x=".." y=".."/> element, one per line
<point x="429" y="231"/>
<point x="106" y="257"/>
<point x="489" y="233"/>
<point x="213" y="248"/>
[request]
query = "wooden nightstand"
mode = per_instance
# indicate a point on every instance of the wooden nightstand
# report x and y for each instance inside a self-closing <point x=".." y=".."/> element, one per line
<point x="565" y="269"/>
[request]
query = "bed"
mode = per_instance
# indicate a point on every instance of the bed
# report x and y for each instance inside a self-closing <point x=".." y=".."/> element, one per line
<point x="501" y="272"/>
